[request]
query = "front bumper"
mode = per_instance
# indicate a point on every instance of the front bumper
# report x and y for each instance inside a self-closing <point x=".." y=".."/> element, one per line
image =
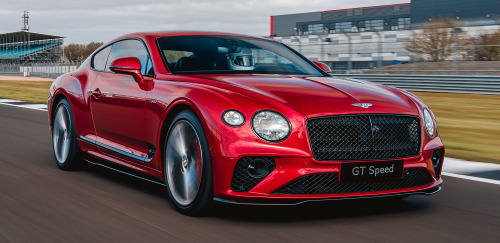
<point x="289" y="169"/>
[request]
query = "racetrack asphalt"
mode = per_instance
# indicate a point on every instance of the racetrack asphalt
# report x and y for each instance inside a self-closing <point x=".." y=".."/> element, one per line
<point x="40" y="203"/>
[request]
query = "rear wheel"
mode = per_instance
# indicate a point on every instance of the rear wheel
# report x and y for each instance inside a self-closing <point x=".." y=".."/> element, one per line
<point x="64" y="137"/>
<point x="187" y="164"/>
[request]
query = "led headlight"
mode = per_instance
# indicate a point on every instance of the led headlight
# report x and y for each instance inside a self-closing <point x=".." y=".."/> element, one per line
<point x="270" y="126"/>
<point x="233" y="118"/>
<point x="430" y="126"/>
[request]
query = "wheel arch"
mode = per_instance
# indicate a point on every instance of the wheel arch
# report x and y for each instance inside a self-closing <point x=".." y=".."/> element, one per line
<point x="175" y="108"/>
<point x="58" y="97"/>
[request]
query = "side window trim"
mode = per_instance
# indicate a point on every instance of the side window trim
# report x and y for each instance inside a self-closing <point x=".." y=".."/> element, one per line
<point x="111" y="45"/>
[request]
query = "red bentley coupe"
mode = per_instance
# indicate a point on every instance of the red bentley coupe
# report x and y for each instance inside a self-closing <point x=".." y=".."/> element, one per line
<point x="240" y="119"/>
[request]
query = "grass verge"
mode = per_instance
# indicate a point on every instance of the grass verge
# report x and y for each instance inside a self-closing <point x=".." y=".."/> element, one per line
<point x="30" y="91"/>
<point x="469" y="124"/>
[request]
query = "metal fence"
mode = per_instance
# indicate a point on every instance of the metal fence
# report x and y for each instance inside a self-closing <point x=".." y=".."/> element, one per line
<point x="436" y="83"/>
<point x="50" y="70"/>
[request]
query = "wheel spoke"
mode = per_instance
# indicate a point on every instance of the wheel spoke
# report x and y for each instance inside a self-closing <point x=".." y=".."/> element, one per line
<point x="64" y="151"/>
<point x="185" y="187"/>
<point x="183" y="161"/>
<point x="176" y="144"/>
<point x="60" y="119"/>
<point x="61" y="134"/>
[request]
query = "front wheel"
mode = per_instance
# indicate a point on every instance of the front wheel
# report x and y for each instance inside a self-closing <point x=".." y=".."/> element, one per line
<point x="64" y="137"/>
<point x="187" y="164"/>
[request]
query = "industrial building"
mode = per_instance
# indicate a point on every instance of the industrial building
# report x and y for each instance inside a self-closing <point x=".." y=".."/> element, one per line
<point x="368" y="37"/>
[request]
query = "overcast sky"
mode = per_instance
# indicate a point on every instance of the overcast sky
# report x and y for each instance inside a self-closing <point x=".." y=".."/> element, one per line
<point x="102" y="20"/>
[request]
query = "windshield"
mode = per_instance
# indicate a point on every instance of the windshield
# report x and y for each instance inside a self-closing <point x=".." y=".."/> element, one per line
<point x="228" y="54"/>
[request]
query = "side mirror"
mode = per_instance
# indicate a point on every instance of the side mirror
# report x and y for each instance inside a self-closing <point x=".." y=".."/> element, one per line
<point x="128" y="65"/>
<point x="324" y="67"/>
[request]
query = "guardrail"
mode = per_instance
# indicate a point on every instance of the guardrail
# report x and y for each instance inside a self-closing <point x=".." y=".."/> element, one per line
<point x="435" y="83"/>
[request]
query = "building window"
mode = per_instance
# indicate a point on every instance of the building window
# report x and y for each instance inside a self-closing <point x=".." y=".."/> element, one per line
<point x="303" y="30"/>
<point x="374" y="25"/>
<point x="361" y="26"/>
<point x="400" y="24"/>
<point x="343" y="27"/>
<point x="404" y="23"/>
<point x="316" y="29"/>
<point x="394" y="24"/>
<point x="331" y="28"/>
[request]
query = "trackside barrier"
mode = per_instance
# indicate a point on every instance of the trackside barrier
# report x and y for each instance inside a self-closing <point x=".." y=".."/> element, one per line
<point x="435" y="83"/>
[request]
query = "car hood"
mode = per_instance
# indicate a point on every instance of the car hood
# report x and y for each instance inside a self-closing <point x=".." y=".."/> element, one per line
<point x="321" y="96"/>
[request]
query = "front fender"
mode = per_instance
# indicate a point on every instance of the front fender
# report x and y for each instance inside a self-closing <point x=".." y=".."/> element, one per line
<point x="73" y="87"/>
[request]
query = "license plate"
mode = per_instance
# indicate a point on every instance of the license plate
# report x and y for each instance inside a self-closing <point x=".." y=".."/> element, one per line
<point x="366" y="171"/>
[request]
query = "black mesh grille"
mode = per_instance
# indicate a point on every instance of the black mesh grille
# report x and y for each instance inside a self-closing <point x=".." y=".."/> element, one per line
<point x="327" y="183"/>
<point x="242" y="180"/>
<point x="364" y="137"/>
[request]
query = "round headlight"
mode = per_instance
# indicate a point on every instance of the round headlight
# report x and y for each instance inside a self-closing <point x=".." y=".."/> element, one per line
<point x="233" y="118"/>
<point x="270" y="126"/>
<point x="429" y="123"/>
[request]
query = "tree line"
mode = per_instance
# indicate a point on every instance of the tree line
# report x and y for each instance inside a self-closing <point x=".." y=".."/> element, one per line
<point x="444" y="38"/>
<point x="79" y="52"/>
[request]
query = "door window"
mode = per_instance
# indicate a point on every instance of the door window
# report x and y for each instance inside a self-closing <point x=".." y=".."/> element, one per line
<point x="129" y="48"/>
<point x="100" y="58"/>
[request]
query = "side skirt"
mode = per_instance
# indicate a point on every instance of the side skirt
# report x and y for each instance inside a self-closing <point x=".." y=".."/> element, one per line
<point x="124" y="171"/>
<point x="148" y="159"/>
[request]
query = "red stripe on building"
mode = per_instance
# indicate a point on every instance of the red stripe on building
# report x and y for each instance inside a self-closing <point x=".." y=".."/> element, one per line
<point x="272" y="25"/>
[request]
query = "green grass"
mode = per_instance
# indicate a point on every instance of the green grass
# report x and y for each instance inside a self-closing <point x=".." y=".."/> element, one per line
<point x="469" y="124"/>
<point x="31" y="91"/>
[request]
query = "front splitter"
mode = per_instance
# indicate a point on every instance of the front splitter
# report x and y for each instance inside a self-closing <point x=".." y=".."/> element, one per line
<point x="429" y="191"/>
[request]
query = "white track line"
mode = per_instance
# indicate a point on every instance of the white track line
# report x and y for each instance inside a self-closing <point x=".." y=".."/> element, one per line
<point x="34" y="106"/>
<point x="471" y="178"/>
<point x="7" y="100"/>
<point x="38" y="107"/>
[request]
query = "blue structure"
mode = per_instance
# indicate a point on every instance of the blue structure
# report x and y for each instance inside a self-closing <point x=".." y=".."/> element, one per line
<point x="27" y="47"/>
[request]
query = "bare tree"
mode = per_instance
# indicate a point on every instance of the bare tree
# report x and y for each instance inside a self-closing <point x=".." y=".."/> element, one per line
<point x="74" y="52"/>
<point x="79" y="52"/>
<point x="487" y="47"/>
<point x="435" y="40"/>
<point x="91" y="47"/>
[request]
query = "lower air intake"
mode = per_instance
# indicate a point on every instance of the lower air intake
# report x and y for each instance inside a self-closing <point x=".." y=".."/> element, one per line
<point x="328" y="183"/>
<point x="250" y="171"/>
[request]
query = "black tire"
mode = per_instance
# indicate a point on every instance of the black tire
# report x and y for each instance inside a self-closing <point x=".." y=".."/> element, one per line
<point x="69" y="160"/>
<point x="181" y="165"/>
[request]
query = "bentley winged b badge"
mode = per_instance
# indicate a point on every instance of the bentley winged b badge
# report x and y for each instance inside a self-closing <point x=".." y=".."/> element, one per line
<point x="364" y="105"/>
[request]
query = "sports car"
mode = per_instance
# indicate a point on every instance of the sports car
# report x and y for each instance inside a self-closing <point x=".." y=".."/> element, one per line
<point x="240" y="119"/>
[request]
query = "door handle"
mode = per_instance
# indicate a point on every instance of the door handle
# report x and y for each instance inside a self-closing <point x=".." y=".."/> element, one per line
<point x="96" y="93"/>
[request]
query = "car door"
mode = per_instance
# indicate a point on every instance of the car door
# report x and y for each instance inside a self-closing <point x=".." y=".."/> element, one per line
<point x="118" y="106"/>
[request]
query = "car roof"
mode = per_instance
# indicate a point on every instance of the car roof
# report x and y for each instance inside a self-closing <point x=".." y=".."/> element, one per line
<point x="157" y="34"/>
